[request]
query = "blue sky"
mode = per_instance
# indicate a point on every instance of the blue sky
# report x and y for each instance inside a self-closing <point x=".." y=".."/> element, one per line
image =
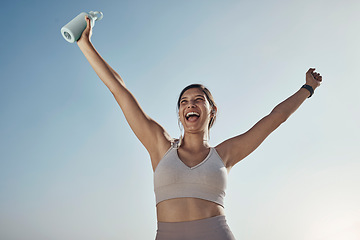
<point x="70" y="167"/>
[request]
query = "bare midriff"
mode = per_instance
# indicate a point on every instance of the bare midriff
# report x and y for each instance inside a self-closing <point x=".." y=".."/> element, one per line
<point x="187" y="209"/>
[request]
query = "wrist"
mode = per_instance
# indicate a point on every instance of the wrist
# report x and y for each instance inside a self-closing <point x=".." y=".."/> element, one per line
<point x="84" y="43"/>
<point x="313" y="85"/>
<point x="309" y="88"/>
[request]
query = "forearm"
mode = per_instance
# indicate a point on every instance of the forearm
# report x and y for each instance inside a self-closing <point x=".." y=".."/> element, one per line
<point x="108" y="75"/>
<point x="291" y="104"/>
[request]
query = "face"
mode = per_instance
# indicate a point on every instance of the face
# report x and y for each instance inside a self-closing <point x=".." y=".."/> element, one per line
<point x="194" y="110"/>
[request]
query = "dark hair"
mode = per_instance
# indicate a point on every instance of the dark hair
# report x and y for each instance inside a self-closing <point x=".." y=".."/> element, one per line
<point x="209" y="97"/>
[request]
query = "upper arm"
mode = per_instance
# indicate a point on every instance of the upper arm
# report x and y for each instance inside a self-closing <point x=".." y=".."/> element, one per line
<point x="151" y="134"/>
<point x="237" y="148"/>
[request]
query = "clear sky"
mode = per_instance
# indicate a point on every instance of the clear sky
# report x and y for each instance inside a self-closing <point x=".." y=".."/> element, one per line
<point x="70" y="167"/>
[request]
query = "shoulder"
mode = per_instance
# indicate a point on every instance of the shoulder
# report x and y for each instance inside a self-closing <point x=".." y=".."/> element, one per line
<point x="163" y="148"/>
<point x="223" y="152"/>
<point x="233" y="150"/>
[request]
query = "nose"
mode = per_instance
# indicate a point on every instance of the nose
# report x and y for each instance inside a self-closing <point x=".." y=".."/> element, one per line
<point x="191" y="104"/>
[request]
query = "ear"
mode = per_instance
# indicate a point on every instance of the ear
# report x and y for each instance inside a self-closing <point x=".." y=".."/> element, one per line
<point x="180" y="124"/>
<point x="213" y="111"/>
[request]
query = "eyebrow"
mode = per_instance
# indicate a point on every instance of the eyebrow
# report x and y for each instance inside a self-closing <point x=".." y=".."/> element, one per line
<point x="199" y="95"/>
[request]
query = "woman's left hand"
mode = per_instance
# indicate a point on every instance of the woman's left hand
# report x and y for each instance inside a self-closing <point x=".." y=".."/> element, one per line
<point x="313" y="78"/>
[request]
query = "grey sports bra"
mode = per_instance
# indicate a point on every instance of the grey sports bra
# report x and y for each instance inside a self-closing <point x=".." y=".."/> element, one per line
<point x="174" y="179"/>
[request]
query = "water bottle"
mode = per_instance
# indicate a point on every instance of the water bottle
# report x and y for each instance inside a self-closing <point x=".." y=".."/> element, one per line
<point x="73" y="30"/>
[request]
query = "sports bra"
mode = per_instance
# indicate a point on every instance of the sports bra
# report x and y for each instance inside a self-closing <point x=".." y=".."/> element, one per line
<point x="174" y="179"/>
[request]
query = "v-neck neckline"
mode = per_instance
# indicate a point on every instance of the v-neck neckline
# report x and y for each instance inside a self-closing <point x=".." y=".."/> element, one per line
<point x="197" y="165"/>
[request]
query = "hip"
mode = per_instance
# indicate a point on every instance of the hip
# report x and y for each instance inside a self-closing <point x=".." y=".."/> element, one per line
<point x="213" y="228"/>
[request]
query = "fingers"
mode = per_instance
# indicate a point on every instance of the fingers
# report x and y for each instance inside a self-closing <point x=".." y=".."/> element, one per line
<point x="313" y="78"/>
<point x="311" y="70"/>
<point x="88" y="22"/>
<point x="318" y="76"/>
<point x="86" y="34"/>
<point x="315" y="75"/>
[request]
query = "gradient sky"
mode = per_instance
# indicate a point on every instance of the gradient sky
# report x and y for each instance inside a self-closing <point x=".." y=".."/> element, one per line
<point x="70" y="167"/>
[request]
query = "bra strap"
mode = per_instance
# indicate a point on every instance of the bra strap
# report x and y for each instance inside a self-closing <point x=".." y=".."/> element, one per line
<point x="175" y="143"/>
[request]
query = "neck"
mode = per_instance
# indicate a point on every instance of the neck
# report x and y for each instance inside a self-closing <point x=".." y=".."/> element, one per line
<point x="195" y="141"/>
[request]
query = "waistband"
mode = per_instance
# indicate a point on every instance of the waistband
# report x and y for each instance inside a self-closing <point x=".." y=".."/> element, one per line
<point x="193" y="225"/>
<point x="213" y="228"/>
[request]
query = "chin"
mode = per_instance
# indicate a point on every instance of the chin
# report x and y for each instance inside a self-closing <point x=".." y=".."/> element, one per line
<point x="194" y="129"/>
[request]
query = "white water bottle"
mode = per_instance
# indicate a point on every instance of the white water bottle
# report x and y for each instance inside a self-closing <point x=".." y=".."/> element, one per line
<point x="73" y="30"/>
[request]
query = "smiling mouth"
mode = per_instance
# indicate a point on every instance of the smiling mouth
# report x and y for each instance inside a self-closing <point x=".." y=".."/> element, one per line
<point x="192" y="116"/>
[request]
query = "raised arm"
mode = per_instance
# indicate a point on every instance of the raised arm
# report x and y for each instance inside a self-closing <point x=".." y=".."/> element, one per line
<point x="150" y="133"/>
<point x="235" y="149"/>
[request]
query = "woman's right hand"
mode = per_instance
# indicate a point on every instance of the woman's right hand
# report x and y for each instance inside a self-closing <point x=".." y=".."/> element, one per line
<point x="86" y="34"/>
<point x="152" y="135"/>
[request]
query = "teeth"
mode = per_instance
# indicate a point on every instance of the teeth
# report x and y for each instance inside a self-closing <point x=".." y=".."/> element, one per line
<point x="192" y="113"/>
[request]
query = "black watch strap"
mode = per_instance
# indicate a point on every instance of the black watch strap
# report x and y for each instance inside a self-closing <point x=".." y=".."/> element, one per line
<point x="309" y="88"/>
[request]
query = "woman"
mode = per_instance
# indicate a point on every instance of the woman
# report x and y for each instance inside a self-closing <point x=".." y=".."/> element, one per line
<point x="189" y="175"/>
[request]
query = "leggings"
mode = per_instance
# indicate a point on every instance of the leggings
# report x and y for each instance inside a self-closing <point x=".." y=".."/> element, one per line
<point x="214" y="228"/>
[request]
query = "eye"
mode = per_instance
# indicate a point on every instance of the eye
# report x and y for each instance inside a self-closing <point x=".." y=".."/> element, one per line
<point x="183" y="102"/>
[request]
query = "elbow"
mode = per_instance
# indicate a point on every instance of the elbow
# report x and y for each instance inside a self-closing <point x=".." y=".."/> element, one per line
<point x="279" y="117"/>
<point x="117" y="87"/>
